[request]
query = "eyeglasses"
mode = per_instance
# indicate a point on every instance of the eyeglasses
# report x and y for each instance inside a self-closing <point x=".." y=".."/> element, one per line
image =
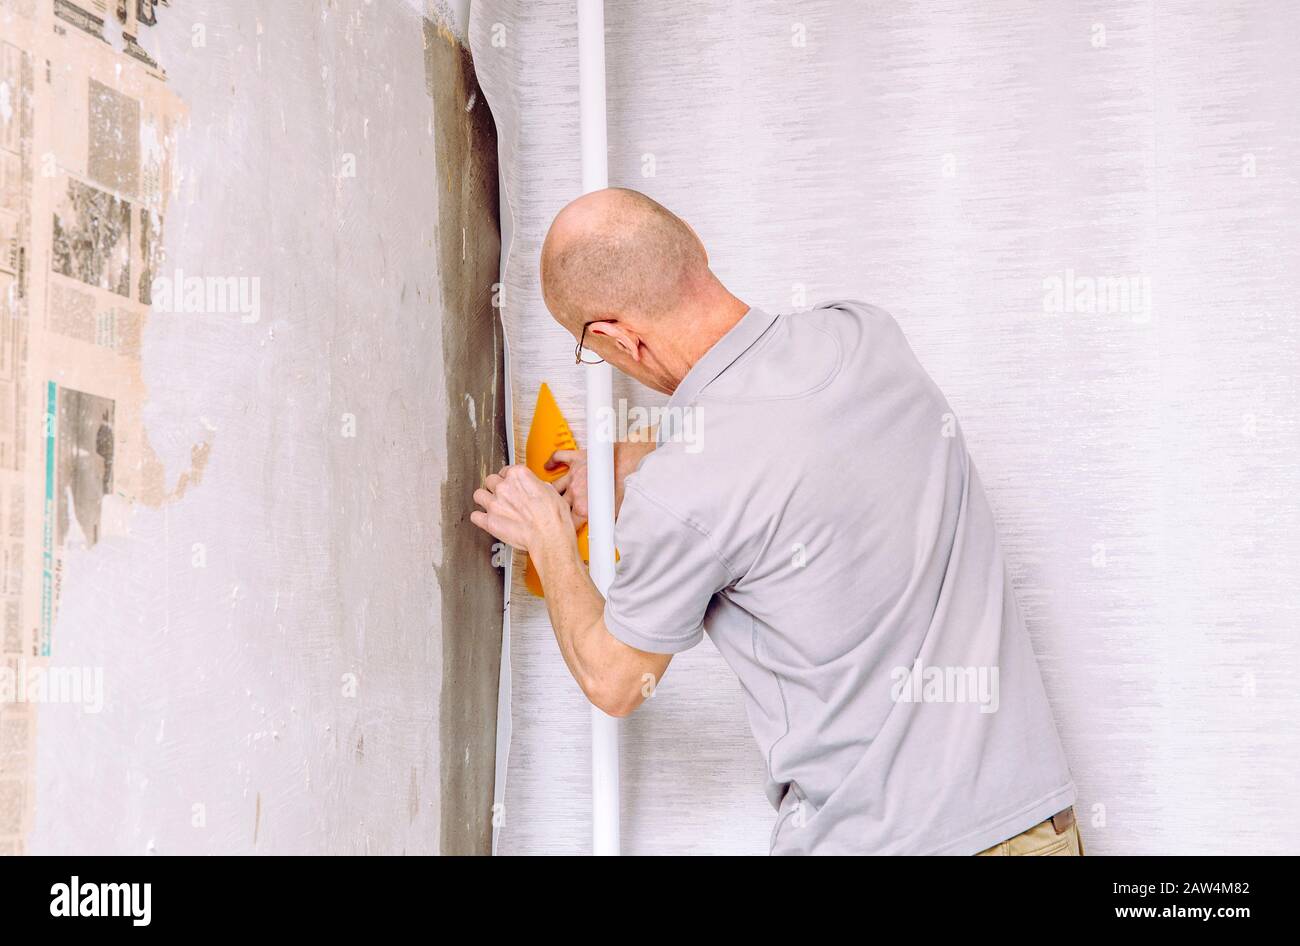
<point x="585" y="356"/>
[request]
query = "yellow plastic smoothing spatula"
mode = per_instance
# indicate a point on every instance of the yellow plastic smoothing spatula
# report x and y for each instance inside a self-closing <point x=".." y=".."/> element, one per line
<point x="549" y="432"/>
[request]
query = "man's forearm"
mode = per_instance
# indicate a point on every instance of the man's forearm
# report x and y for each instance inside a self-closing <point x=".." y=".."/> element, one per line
<point x="628" y="455"/>
<point x="610" y="673"/>
<point x="521" y="509"/>
<point x="572" y="600"/>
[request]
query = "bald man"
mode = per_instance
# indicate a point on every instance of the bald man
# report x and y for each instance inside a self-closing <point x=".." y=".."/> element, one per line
<point x="810" y="504"/>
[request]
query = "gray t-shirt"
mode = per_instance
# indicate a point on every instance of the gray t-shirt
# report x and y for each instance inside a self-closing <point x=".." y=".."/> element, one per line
<point x="813" y="507"/>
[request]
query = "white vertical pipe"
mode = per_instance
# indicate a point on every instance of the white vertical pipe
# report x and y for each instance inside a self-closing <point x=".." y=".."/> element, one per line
<point x="600" y="446"/>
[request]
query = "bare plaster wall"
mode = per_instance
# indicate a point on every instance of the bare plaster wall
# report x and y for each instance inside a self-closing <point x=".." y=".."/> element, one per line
<point x="301" y="655"/>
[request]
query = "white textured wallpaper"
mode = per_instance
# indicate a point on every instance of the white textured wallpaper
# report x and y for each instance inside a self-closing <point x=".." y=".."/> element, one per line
<point x="1084" y="216"/>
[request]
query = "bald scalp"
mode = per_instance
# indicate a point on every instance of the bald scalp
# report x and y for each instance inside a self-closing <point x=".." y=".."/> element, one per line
<point x="616" y="252"/>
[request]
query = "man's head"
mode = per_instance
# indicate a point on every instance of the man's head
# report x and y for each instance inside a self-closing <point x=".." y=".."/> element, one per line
<point x="638" y="278"/>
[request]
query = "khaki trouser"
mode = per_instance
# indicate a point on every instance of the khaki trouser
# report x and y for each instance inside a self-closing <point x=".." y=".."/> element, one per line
<point x="1058" y="835"/>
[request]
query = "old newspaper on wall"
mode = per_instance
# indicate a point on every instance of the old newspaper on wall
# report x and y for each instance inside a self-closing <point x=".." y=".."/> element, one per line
<point x="87" y="132"/>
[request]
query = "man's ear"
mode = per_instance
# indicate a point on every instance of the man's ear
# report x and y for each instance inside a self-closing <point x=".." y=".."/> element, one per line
<point x="628" y="341"/>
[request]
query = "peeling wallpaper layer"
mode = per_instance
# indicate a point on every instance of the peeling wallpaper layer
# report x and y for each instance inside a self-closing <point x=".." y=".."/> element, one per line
<point x="299" y="650"/>
<point x="1083" y="217"/>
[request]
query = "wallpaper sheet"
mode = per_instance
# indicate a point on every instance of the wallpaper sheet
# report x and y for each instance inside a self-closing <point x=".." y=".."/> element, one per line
<point x="1083" y="215"/>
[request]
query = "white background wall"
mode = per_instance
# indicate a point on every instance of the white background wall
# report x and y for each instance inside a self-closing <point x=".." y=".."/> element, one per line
<point x="944" y="159"/>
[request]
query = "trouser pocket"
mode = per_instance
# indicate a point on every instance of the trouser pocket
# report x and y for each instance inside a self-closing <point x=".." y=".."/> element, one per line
<point x="1042" y="840"/>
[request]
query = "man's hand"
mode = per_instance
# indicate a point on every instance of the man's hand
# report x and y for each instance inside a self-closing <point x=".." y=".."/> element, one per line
<point x="573" y="484"/>
<point x="520" y="509"/>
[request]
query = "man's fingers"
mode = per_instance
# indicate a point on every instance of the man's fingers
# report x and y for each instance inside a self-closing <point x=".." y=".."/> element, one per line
<point x="479" y="518"/>
<point x="563" y="483"/>
<point x="482" y="497"/>
<point x="563" y="458"/>
<point x="492" y="483"/>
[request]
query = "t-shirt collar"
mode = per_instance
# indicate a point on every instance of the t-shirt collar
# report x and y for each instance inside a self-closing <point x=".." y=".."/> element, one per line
<point x="738" y="340"/>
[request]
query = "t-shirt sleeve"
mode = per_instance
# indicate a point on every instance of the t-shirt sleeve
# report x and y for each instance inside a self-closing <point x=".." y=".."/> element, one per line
<point x="667" y="572"/>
